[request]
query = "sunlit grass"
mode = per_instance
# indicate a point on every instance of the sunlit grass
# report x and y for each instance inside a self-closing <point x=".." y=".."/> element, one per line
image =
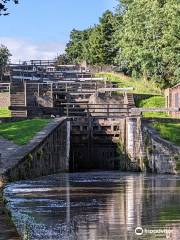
<point x="22" y="132"/>
<point x="5" y="112"/>
<point x="153" y="102"/>
<point x="169" y="131"/>
<point x="170" y="213"/>
<point x="140" y="86"/>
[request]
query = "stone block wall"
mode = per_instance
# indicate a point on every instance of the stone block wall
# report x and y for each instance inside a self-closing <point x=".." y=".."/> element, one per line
<point x="134" y="143"/>
<point x="4" y="100"/>
<point x="147" y="151"/>
<point x="160" y="156"/>
<point x="46" y="154"/>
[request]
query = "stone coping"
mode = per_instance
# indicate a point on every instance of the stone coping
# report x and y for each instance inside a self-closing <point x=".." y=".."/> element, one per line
<point x="155" y="135"/>
<point x="33" y="144"/>
<point x="161" y="120"/>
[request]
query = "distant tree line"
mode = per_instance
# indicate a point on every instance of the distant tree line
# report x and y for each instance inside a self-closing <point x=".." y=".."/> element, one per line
<point x="141" y="38"/>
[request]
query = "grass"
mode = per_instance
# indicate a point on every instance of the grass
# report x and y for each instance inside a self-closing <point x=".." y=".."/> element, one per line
<point x="5" y="112"/>
<point x="169" y="131"/>
<point x="153" y="102"/>
<point x="140" y="86"/>
<point x="22" y="132"/>
<point x="170" y="213"/>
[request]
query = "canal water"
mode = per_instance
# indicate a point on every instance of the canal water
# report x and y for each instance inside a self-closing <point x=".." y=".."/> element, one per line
<point x="96" y="206"/>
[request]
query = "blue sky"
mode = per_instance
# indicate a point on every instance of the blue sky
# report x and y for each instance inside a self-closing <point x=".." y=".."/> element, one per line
<point x="40" y="28"/>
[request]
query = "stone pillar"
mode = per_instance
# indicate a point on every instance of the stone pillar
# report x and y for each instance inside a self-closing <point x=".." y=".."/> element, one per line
<point x="68" y="137"/>
<point x="126" y="98"/>
<point x="131" y="126"/>
<point x="134" y="141"/>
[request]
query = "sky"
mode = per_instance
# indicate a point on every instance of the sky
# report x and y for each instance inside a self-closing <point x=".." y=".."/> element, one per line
<point x="39" y="29"/>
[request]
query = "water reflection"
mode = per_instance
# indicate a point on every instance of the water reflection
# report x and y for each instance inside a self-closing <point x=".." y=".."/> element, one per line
<point x="96" y="206"/>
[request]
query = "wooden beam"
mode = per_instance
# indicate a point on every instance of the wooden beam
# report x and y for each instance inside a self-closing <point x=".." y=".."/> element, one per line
<point x="155" y="110"/>
<point x="115" y="89"/>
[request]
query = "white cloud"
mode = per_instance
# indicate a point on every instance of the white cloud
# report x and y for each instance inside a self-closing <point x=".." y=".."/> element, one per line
<point x="22" y="49"/>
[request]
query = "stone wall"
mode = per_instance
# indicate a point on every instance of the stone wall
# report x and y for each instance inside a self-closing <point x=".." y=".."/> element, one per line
<point x="4" y="100"/>
<point x="96" y="69"/>
<point x="47" y="153"/>
<point x="147" y="151"/>
<point x="160" y="156"/>
<point x="134" y="143"/>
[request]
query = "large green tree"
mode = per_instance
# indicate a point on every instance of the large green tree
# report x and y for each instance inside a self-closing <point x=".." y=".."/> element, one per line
<point x="107" y="29"/>
<point x="96" y="44"/>
<point x="149" y="40"/>
<point x="75" y="47"/>
<point x="142" y="37"/>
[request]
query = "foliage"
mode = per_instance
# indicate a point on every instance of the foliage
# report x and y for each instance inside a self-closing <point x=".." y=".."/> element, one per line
<point x="3" y="8"/>
<point x="5" y="112"/>
<point x="142" y="38"/>
<point x="4" y="58"/>
<point x="22" y="132"/>
<point x="169" y="131"/>
<point x="94" y="45"/>
<point x="62" y="59"/>
<point x="149" y="40"/>
<point x="75" y="47"/>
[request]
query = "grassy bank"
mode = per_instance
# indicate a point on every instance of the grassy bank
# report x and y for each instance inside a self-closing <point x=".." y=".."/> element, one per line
<point x="23" y="131"/>
<point x="140" y="86"/>
<point x="5" y="112"/>
<point x="169" y="131"/>
<point x="153" y="102"/>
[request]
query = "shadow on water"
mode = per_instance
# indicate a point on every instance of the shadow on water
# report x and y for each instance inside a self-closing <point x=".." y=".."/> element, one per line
<point x="95" y="138"/>
<point x="96" y="205"/>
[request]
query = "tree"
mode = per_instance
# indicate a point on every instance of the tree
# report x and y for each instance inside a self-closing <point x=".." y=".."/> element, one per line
<point x="107" y="29"/>
<point x="149" y="40"/>
<point x="4" y="59"/>
<point x="142" y="38"/>
<point x="3" y="8"/>
<point x="101" y="43"/>
<point x="75" y="47"/>
<point x="94" y="45"/>
<point x="62" y="59"/>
